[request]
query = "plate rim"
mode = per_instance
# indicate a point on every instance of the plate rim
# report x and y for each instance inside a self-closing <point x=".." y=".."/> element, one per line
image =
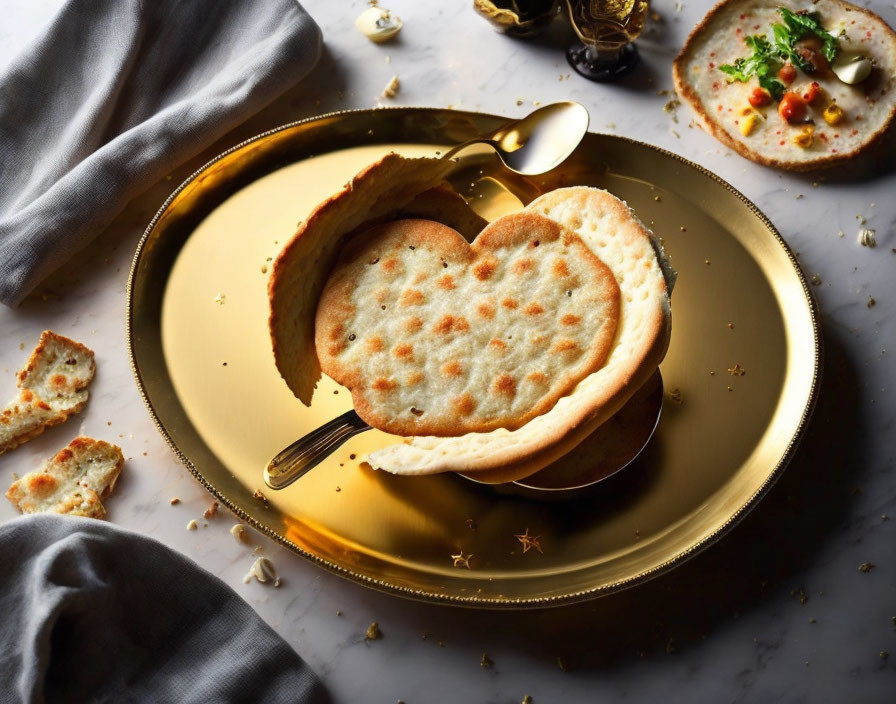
<point x="472" y="601"/>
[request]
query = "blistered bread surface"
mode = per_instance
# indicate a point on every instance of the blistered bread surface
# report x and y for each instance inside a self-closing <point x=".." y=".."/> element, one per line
<point x="74" y="481"/>
<point x="52" y="386"/>
<point x="614" y="234"/>
<point x="434" y="336"/>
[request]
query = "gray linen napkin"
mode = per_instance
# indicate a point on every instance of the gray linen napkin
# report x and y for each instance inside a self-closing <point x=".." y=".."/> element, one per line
<point x="93" y="613"/>
<point x="117" y="93"/>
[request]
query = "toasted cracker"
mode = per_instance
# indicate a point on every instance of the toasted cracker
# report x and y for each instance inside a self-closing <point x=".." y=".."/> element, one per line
<point x="609" y="228"/>
<point x="869" y="107"/>
<point x="378" y="192"/>
<point x="52" y="387"/>
<point x="74" y="481"/>
<point x="434" y="336"/>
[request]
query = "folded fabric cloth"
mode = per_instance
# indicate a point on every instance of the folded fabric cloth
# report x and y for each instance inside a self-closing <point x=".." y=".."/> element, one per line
<point x="115" y="95"/>
<point x="93" y="613"/>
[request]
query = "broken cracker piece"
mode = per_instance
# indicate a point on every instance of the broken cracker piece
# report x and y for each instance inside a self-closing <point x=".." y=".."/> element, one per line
<point x="74" y="481"/>
<point x="52" y="387"/>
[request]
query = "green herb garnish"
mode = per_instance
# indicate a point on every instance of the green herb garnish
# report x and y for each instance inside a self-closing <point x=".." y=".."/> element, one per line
<point x="768" y="56"/>
<point x="763" y="64"/>
<point x="803" y="25"/>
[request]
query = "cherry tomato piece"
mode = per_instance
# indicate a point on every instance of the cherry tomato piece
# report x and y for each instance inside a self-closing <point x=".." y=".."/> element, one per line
<point x="787" y="73"/>
<point x="792" y="107"/>
<point x="759" y="97"/>
<point x="812" y="92"/>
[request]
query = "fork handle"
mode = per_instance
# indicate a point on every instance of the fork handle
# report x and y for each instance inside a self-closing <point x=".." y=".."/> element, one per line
<point x="309" y="451"/>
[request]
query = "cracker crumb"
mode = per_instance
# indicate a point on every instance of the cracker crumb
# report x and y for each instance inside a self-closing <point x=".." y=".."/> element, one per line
<point x="174" y="501"/>
<point x="519" y="101"/>
<point x="527" y="699"/>
<point x="373" y="632"/>
<point x="259" y="495"/>
<point x="561" y="663"/>
<point x="737" y="370"/>
<point x="675" y="396"/>
<point x="212" y="510"/>
<point x="239" y="533"/>
<point x="220" y="298"/>
<point x="263" y="571"/>
<point x="192" y="525"/>
<point x="866" y="567"/>
<point x="815" y="280"/>
<point x="867" y="238"/>
<point x="883" y="655"/>
<point x="486" y="661"/>
<point x="392" y="88"/>
<point x="871" y="302"/>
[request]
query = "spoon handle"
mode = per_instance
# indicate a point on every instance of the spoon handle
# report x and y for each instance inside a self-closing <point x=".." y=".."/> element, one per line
<point x="307" y="452"/>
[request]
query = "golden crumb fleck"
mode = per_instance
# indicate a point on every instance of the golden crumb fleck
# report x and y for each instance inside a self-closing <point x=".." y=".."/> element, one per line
<point x="657" y="198"/>
<point x="871" y="302"/>
<point x="211" y="510"/>
<point x="486" y="661"/>
<point x="259" y="495"/>
<point x="220" y="298"/>
<point x="815" y="280"/>
<point x="192" y="525"/>
<point x="737" y="370"/>
<point x="519" y="101"/>
<point x="561" y="663"/>
<point x="527" y="699"/>
<point x="866" y="566"/>
<point x="883" y="655"/>
<point x="461" y="560"/>
<point x="373" y="631"/>
<point x="675" y="396"/>
<point x="731" y="326"/>
<point x="174" y="501"/>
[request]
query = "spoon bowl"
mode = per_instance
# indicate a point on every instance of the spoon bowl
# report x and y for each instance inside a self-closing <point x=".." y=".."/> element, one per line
<point x="537" y="143"/>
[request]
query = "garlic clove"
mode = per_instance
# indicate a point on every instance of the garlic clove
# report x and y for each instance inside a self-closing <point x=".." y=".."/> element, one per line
<point x="378" y="24"/>
<point x="852" y="68"/>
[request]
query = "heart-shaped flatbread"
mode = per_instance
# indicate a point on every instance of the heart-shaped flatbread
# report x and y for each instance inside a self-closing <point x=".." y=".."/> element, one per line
<point x="436" y="336"/>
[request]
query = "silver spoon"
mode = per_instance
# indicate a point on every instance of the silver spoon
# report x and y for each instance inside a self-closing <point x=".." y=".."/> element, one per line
<point x="538" y="142"/>
<point x="608" y="450"/>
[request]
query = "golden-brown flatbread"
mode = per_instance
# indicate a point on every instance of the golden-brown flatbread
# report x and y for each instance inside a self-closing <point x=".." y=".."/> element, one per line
<point x="609" y="229"/>
<point x="378" y="192"/>
<point x="435" y="336"/>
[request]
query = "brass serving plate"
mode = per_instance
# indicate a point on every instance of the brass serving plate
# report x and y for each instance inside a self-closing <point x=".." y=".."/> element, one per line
<point x="199" y="346"/>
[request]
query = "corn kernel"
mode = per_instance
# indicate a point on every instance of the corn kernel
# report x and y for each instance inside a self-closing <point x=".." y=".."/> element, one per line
<point x="805" y="138"/>
<point x="748" y="124"/>
<point x="833" y="114"/>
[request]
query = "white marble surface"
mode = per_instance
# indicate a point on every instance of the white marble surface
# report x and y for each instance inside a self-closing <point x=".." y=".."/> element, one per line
<point x="728" y="625"/>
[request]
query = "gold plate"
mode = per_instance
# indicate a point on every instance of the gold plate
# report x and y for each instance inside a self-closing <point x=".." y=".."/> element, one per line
<point x="200" y="350"/>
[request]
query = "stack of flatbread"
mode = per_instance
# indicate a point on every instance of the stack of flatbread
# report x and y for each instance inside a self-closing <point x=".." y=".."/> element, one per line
<point x="494" y="348"/>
